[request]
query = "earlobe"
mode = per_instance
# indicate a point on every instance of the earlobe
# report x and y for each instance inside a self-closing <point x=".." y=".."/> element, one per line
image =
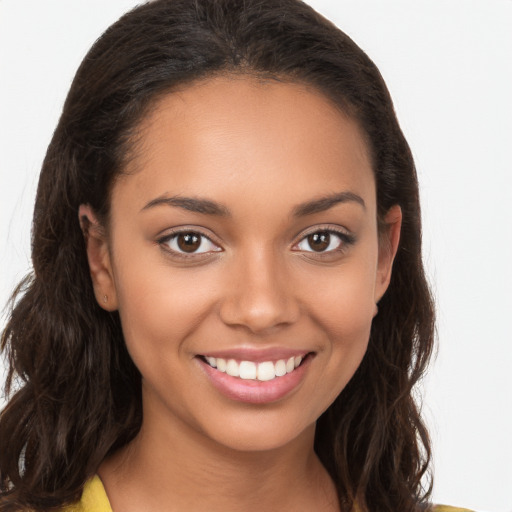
<point x="98" y="256"/>
<point x="388" y="246"/>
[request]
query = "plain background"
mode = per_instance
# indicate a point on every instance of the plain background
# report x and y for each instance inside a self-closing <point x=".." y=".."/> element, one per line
<point x="449" y="69"/>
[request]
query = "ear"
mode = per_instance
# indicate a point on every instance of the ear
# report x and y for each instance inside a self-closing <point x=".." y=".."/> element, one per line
<point x="388" y="245"/>
<point x="98" y="255"/>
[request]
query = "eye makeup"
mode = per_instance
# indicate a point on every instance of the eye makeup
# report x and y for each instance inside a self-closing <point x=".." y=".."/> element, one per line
<point x="323" y="239"/>
<point x="319" y="242"/>
<point x="188" y="243"/>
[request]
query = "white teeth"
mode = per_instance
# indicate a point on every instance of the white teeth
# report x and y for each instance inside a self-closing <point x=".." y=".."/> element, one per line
<point x="247" y="370"/>
<point x="280" y="368"/>
<point x="232" y="368"/>
<point x="221" y="364"/>
<point x="264" y="371"/>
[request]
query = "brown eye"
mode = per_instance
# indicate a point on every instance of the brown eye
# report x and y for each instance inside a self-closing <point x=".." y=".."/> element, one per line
<point x="188" y="242"/>
<point x="319" y="241"/>
<point x="325" y="241"/>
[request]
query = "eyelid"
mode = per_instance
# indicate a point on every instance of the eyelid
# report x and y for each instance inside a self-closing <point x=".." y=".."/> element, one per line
<point x="163" y="240"/>
<point x="347" y="238"/>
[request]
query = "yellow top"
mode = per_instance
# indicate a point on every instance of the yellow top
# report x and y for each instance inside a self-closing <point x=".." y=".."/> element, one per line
<point x="445" y="508"/>
<point x="94" y="499"/>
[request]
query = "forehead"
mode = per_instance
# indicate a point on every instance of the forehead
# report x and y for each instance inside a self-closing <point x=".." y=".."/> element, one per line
<point x="283" y="139"/>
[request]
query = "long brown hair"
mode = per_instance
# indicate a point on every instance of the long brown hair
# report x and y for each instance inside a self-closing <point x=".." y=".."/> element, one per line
<point x="75" y="393"/>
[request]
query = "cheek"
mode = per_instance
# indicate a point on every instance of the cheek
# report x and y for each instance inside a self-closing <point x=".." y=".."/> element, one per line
<point x="345" y="314"/>
<point x="343" y="306"/>
<point x="159" y="306"/>
<point x="342" y="299"/>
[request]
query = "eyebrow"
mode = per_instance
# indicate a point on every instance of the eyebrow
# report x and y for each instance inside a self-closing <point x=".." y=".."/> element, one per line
<point x="325" y="203"/>
<point x="192" y="204"/>
<point x="209" y="207"/>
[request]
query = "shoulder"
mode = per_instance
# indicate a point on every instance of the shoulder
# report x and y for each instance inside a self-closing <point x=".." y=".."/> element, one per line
<point x="94" y="498"/>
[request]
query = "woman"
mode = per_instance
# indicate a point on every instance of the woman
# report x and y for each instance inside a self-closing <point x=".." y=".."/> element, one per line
<point x="228" y="308"/>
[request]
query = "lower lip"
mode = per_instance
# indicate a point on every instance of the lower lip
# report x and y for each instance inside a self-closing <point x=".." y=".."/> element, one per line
<point x="255" y="391"/>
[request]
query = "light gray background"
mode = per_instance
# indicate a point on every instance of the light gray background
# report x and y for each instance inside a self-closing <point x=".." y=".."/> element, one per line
<point x="448" y="66"/>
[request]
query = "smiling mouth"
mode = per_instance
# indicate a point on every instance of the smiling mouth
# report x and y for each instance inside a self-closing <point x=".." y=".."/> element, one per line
<point x="250" y="370"/>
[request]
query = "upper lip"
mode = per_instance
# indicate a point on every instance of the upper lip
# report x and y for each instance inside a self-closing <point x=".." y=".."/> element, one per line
<point x="256" y="355"/>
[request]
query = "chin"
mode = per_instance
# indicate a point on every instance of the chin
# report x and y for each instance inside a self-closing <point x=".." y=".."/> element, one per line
<point x="261" y="438"/>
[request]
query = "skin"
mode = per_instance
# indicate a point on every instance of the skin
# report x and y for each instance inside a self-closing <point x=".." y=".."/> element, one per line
<point x="259" y="149"/>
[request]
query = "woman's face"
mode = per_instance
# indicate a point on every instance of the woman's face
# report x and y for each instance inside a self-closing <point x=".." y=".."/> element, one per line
<point x="243" y="240"/>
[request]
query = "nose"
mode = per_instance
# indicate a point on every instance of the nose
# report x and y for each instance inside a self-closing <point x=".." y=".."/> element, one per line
<point x="259" y="294"/>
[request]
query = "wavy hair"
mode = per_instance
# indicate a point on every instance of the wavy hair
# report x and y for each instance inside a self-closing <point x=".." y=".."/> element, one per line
<point x="75" y="394"/>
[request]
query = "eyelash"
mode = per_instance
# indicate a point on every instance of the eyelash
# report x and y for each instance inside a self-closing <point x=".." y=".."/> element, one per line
<point x="170" y="237"/>
<point x="345" y="238"/>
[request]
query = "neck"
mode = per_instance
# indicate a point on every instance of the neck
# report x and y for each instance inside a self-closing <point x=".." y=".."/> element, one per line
<point x="162" y="469"/>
